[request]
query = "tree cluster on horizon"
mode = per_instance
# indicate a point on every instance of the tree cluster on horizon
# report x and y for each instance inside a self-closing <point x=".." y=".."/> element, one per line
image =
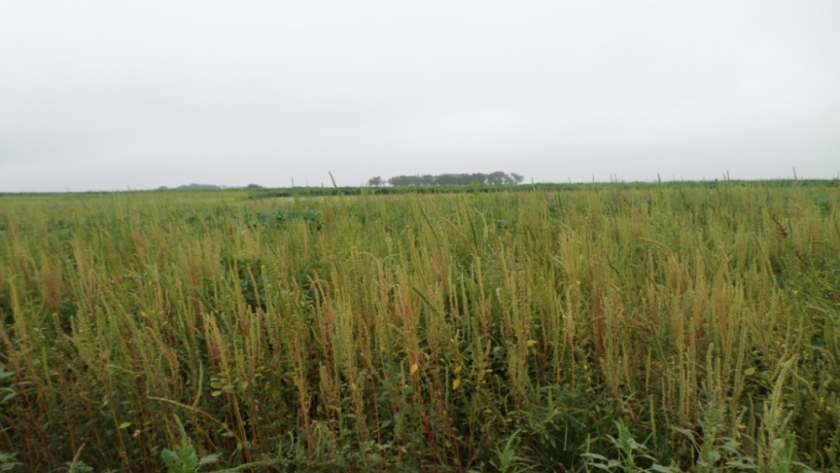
<point x="495" y="178"/>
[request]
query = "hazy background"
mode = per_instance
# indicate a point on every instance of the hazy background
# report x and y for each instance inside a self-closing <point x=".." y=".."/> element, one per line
<point x="110" y="95"/>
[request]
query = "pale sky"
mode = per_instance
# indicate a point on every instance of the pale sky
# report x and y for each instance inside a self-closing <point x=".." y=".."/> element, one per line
<point x="115" y="95"/>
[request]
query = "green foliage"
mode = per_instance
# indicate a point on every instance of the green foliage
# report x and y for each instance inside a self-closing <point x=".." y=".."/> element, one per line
<point x="184" y="458"/>
<point x="631" y="456"/>
<point x="8" y="461"/>
<point x="6" y="393"/>
<point x="495" y="328"/>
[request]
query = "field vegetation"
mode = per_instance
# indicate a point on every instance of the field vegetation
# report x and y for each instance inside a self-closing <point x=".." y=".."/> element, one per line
<point x="671" y="327"/>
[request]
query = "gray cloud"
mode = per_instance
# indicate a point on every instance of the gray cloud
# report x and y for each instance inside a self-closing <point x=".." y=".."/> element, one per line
<point x="103" y="96"/>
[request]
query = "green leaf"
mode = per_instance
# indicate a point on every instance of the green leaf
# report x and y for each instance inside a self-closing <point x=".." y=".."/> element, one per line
<point x="208" y="459"/>
<point x="9" y="396"/>
<point x="661" y="468"/>
<point x="595" y="456"/>
<point x="170" y="458"/>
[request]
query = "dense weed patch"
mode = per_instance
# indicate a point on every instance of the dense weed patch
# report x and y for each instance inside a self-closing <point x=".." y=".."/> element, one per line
<point x="620" y="328"/>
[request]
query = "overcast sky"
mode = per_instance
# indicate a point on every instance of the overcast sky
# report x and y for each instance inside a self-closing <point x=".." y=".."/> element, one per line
<point x="115" y="95"/>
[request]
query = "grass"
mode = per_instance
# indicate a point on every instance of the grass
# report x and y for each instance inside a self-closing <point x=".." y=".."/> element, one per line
<point x="683" y="327"/>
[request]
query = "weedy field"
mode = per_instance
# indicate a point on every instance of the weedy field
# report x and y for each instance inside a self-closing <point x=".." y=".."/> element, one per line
<point x="679" y="327"/>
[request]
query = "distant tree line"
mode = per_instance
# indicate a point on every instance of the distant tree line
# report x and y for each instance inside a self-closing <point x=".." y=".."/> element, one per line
<point x="193" y="187"/>
<point x="495" y="178"/>
<point x="206" y="187"/>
